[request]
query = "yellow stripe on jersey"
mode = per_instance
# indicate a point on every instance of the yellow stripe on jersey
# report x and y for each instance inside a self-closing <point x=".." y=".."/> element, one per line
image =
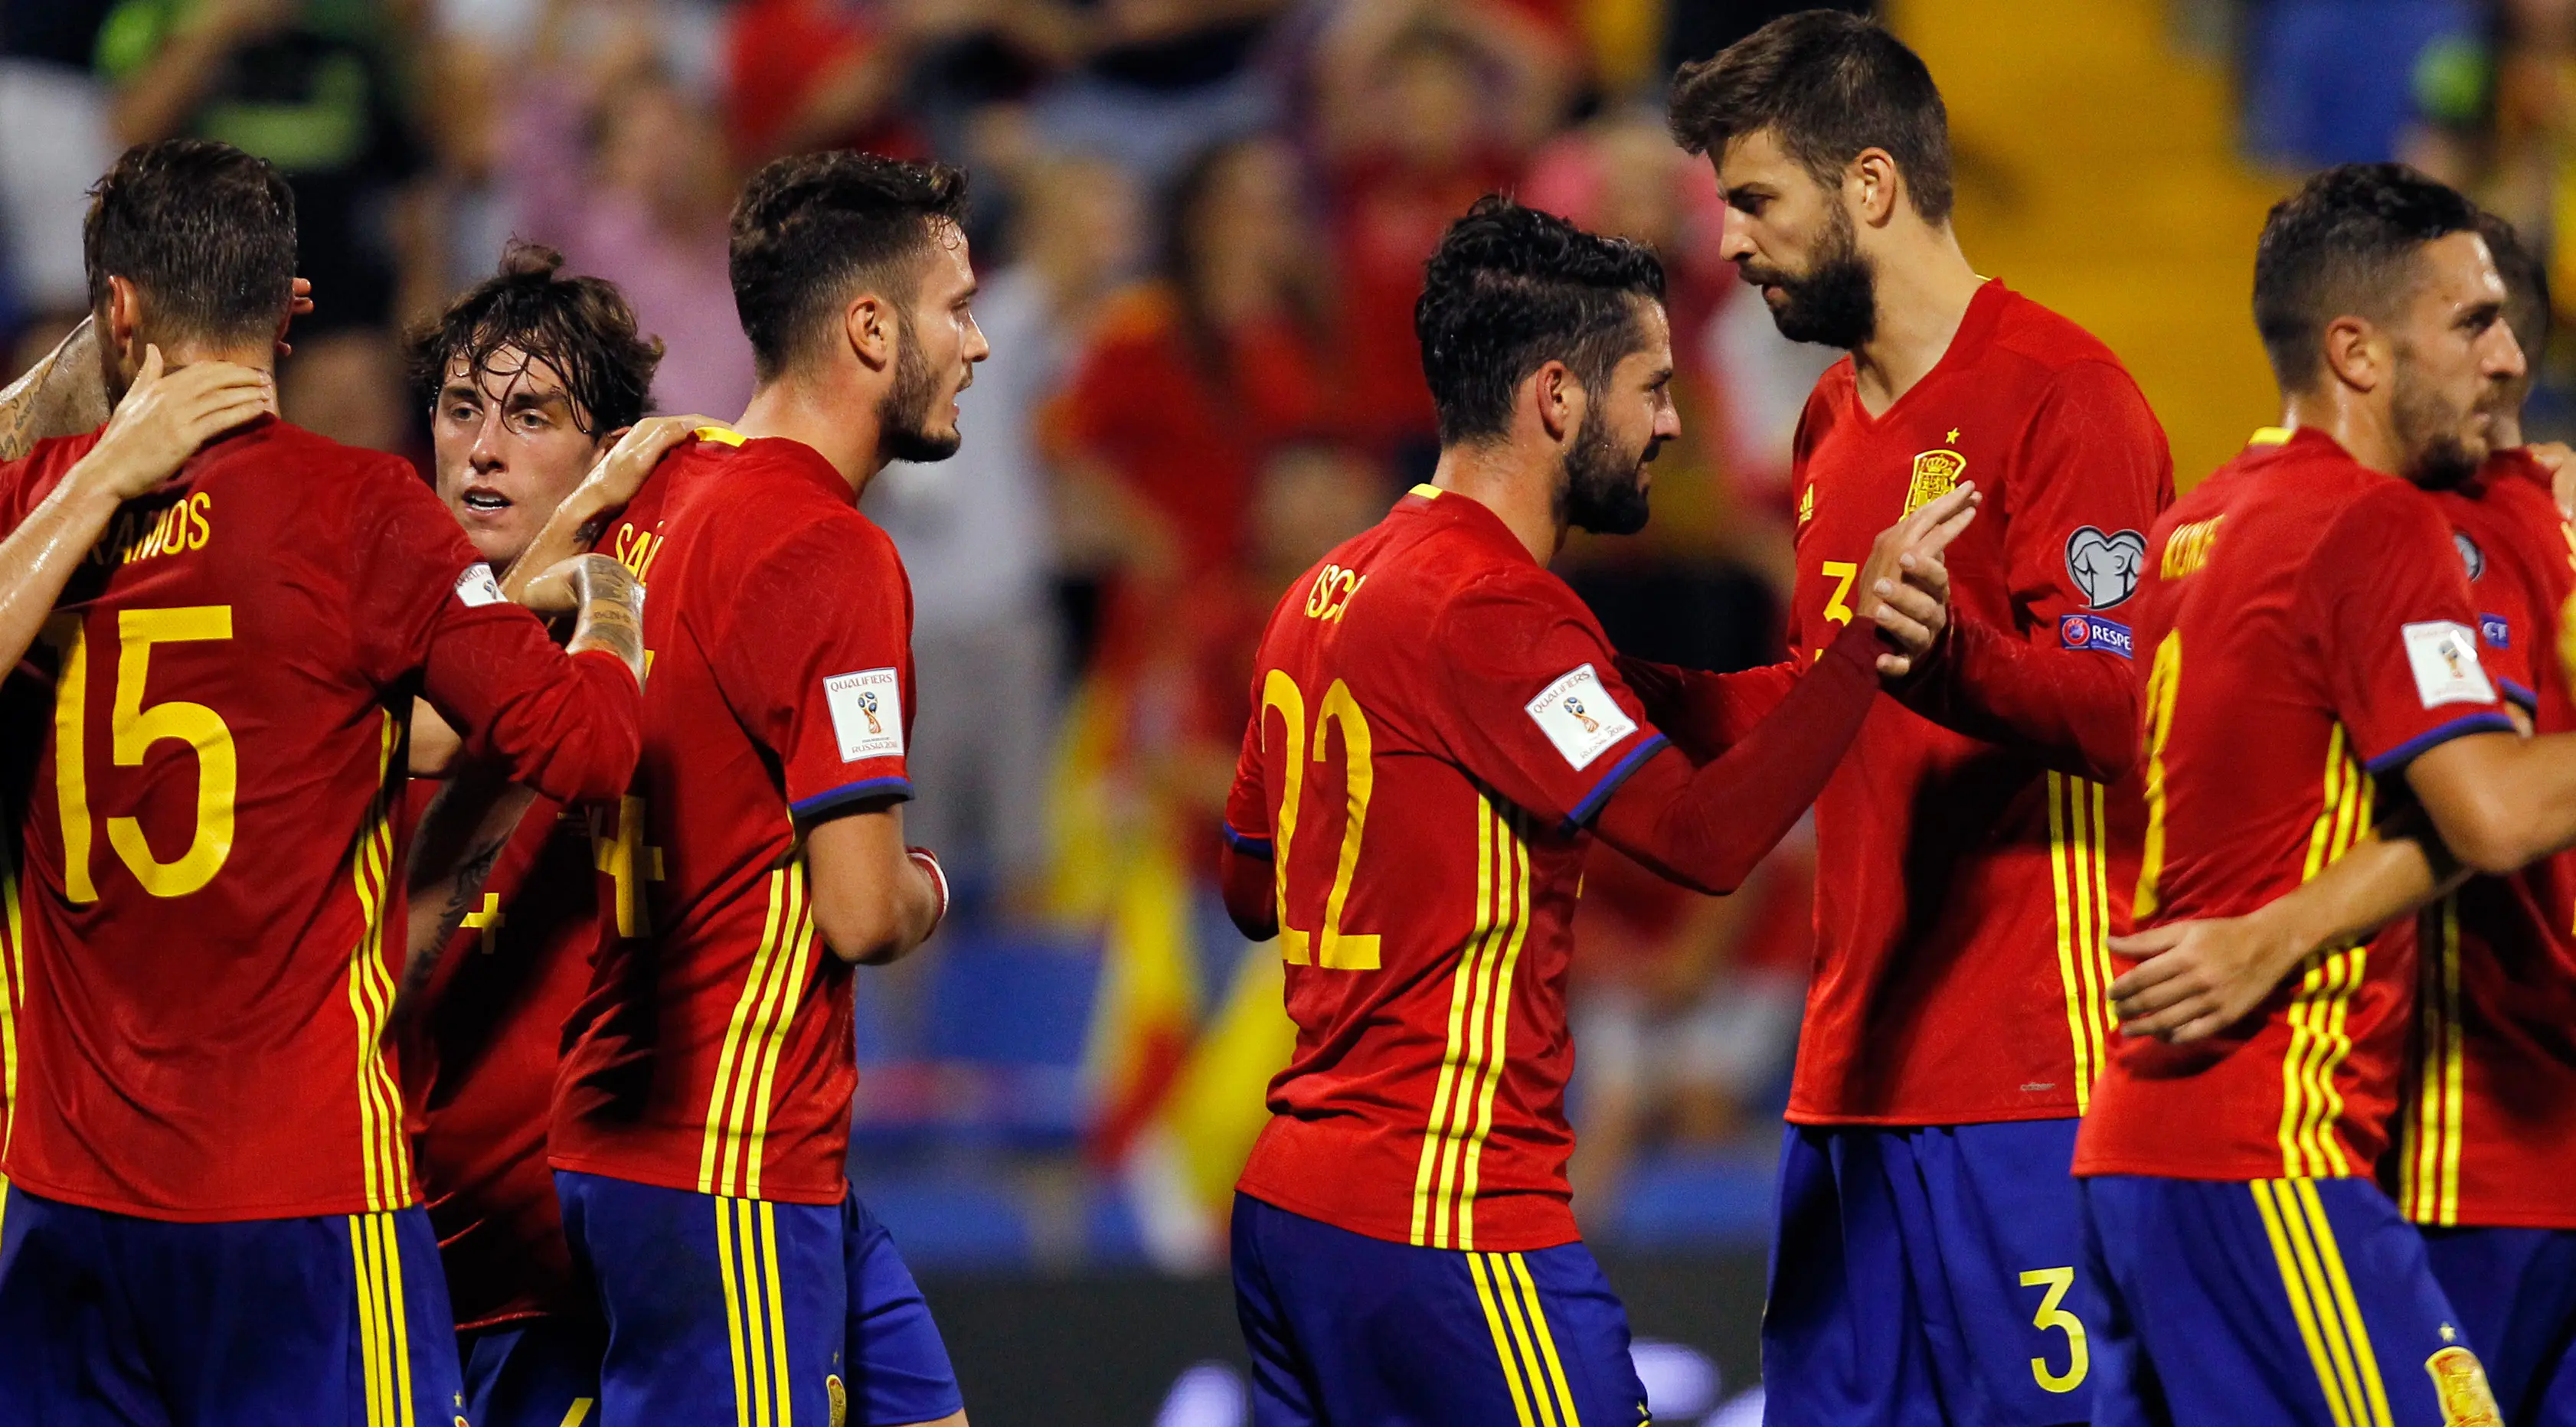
<point x="384" y="1324"/>
<point x="2319" y="1043"/>
<point x="2079" y="870"/>
<point x="738" y="1103"/>
<point x="13" y="993"/>
<point x="2429" y="1162"/>
<point x="721" y="435"/>
<point x="2269" y="436"/>
<point x="1471" y="1064"/>
<point x="384" y="1153"/>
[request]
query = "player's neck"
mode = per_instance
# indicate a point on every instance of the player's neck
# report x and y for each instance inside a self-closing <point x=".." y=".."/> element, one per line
<point x="2366" y="431"/>
<point x="1519" y="488"/>
<point x="795" y="410"/>
<point x="261" y="355"/>
<point x="1924" y="286"/>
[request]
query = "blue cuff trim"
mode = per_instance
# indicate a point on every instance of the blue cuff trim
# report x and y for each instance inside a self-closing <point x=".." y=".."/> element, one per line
<point x="898" y="789"/>
<point x="1610" y="781"/>
<point x="2484" y="721"/>
<point x="1249" y="846"/>
<point x="2530" y="701"/>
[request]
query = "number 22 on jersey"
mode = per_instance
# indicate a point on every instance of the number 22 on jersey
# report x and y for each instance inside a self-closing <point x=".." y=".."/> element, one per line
<point x="133" y="727"/>
<point x="1330" y="947"/>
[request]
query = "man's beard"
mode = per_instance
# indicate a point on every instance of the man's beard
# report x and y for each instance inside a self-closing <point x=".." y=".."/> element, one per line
<point x="1835" y="302"/>
<point x="903" y="415"/>
<point x="1602" y="491"/>
<point x="2438" y="458"/>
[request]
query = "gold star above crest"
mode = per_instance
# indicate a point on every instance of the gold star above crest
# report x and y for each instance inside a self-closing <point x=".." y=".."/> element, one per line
<point x="1952" y="439"/>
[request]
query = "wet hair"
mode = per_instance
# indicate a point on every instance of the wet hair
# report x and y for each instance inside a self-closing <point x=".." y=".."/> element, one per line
<point x="1511" y="289"/>
<point x="2346" y="244"/>
<point x="582" y="327"/>
<point x="1827" y="84"/>
<point x="2526" y="284"/>
<point x="813" y="229"/>
<point x="205" y="232"/>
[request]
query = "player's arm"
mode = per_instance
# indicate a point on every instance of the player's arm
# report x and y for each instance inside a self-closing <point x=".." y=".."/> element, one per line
<point x="576" y="524"/>
<point x="2095" y="460"/>
<point x="1247" y="873"/>
<point x="461" y="835"/>
<point x="63" y="394"/>
<point x="164" y="418"/>
<point x="875" y="900"/>
<point x="2197" y="978"/>
<point x="1706" y="827"/>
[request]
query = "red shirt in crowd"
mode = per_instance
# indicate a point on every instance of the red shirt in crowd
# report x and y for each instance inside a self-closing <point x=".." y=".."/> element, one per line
<point x="715" y="1050"/>
<point x="2487" y="1134"/>
<point x="1389" y="217"/>
<point x="211" y="896"/>
<point x="2310" y="632"/>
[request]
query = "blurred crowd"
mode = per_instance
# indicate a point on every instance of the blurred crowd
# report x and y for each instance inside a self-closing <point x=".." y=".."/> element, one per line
<point x="1199" y="226"/>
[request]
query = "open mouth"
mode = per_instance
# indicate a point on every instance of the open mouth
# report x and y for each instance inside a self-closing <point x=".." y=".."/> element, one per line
<point x="483" y="501"/>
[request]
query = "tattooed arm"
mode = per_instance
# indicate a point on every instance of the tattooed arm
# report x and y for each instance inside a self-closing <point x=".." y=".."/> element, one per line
<point x="459" y="839"/>
<point x="576" y="523"/>
<point x="63" y="394"/>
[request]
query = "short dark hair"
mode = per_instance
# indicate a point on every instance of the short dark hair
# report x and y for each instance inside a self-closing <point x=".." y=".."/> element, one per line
<point x="811" y="227"/>
<point x="2345" y="244"/>
<point x="583" y="327"/>
<point x="2526" y="284"/>
<point x="204" y="231"/>
<point x="1829" y="84"/>
<point x="1511" y="289"/>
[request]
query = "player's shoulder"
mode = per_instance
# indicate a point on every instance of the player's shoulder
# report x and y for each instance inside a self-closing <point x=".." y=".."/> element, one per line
<point x="24" y="481"/>
<point x="2044" y="337"/>
<point x="760" y="494"/>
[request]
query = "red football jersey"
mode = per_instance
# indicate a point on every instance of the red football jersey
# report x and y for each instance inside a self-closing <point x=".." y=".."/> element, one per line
<point x="1437" y="718"/>
<point x="212" y="898"/>
<point x="479" y="1051"/>
<point x="2488" y="1132"/>
<point x="1971" y="861"/>
<point x="2310" y="632"/>
<point x="715" y="1050"/>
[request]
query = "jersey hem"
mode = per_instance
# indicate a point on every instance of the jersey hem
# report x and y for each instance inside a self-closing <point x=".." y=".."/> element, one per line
<point x="2483" y="721"/>
<point x="1485" y="1243"/>
<point x="2204" y="1174"/>
<point x="336" y="1208"/>
<point x="580" y="1165"/>
<point x="2560" y="1220"/>
<point x="2062" y="1110"/>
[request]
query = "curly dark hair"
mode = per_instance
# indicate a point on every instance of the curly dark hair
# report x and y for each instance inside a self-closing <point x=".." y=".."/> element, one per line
<point x="1827" y="84"/>
<point x="205" y="231"/>
<point x="811" y="228"/>
<point x="583" y="327"/>
<point x="2345" y="244"/>
<point x="1511" y="289"/>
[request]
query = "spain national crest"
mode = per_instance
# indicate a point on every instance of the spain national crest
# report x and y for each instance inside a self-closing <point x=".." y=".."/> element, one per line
<point x="2461" y="1384"/>
<point x="1935" y="472"/>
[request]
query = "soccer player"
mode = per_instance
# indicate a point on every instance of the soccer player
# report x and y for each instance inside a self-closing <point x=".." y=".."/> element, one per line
<point x="1440" y="733"/>
<point x="2487" y="1113"/>
<point x="1972" y="854"/>
<point x="537" y="383"/>
<point x="702" y="1114"/>
<point x="2315" y="659"/>
<point x="211" y="1213"/>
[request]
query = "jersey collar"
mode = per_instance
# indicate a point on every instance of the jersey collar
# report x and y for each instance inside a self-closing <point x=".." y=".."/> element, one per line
<point x="1466" y="513"/>
<point x="789" y="454"/>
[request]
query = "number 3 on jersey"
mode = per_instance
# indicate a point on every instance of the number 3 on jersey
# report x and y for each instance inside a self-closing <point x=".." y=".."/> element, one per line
<point x="1842" y="573"/>
<point x="1331" y="947"/>
<point x="133" y="727"/>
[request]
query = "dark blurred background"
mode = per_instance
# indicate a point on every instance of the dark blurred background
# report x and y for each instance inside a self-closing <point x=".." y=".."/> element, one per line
<point x="1200" y="225"/>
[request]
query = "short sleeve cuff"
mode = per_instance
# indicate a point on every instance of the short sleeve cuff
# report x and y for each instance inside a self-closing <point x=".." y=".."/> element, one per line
<point x="1254" y="847"/>
<point x="1590" y="807"/>
<point x="898" y="790"/>
<point x="2529" y="700"/>
<point x="2483" y="721"/>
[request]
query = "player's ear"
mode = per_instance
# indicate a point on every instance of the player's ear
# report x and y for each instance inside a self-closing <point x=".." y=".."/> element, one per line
<point x="1873" y="184"/>
<point x="2356" y="354"/>
<point x="122" y="314"/>
<point x="868" y="325"/>
<point x="1559" y="399"/>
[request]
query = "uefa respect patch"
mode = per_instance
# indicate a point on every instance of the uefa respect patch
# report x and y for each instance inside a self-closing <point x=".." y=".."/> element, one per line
<point x="2495" y="631"/>
<point x="2092" y="631"/>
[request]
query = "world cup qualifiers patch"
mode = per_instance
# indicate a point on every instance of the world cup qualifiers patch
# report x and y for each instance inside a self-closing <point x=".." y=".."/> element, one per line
<point x="2495" y="631"/>
<point x="1578" y="715"/>
<point x="477" y="587"/>
<point x="867" y="714"/>
<point x="2444" y="657"/>
<point x="2105" y="567"/>
<point x="2092" y="631"/>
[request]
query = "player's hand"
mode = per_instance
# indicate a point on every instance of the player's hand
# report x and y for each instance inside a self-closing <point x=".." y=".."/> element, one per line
<point x="2195" y="979"/>
<point x="1905" y="586"/>
<point x="167" y="415"/>
<point x="621" y="473"/>
<point x="298" y="302"/>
